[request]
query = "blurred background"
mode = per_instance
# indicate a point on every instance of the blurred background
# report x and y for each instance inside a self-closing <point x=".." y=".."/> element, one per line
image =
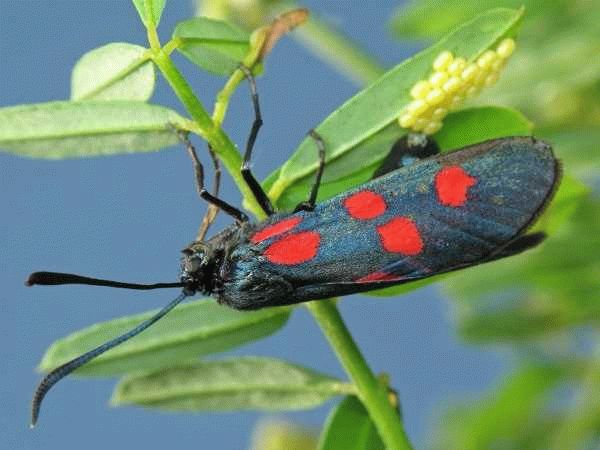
<point x="502" y="356"/>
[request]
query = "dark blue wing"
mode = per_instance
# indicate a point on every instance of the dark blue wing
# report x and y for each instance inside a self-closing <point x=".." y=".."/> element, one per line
<point x="433" y="216"/>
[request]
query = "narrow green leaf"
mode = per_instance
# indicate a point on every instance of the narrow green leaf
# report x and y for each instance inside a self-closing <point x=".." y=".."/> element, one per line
<point x="215" y="46"/>
<point x="362" y="131"/>
<point x="192" y="330"/>
<point x="116" y="71"/>
<point x="81" y="129"/>
<point x="150" y="11"/>
<point x="349" y="427"/>
<point x="234" y="384"/>
<point x="431" y="19"/>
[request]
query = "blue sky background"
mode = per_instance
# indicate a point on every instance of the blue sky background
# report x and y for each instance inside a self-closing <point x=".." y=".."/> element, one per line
<point x="126" y="217"/>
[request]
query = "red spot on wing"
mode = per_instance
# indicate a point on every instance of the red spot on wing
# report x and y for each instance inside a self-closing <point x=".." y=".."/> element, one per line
<point x="294" y="249"/>
<point x="452" y="184"/>
<point x="379" y="276"/>
<point x="275" y="229"/>
<point x="401" y="235"/>
<point x="365" y="205"/>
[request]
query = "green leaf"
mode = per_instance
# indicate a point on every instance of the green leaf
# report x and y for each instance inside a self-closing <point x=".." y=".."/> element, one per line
<point x="81" y="129"/>
<point x="192" y="330"/>
<point x="215" y="46"/>
<point x="349" y="427"/>
<point x="234" y="384"/>
<point x="361" y="132"/>
<point x="493" y="421"/>
<point x="473" y="125"/>
<point x="150" y="10"/>
<point x="116" y="71"/>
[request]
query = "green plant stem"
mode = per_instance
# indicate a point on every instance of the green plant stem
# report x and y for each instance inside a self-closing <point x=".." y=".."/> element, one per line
<point x="251" y="59"/>
<point x="151" y="26"/>
<point x="224" y="96"/>
<point x="371" y="392"/>
<point x="333" y="47"/>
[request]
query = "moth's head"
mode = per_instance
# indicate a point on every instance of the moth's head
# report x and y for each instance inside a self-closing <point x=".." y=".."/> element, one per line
<point x="196" y="267"/>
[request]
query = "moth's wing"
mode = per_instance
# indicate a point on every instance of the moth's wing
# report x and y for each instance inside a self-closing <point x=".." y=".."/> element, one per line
<point x="436" y="215"/>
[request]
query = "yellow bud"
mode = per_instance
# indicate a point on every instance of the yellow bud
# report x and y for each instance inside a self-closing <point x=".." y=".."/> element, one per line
<point x="406" y="120"/>
<point x="480" y="78"/>
<point x="456" y="101"/>
<point x="506" y="48"/>
<point x="452" y="85"/>
<point x="486" y="60"/>
<point x="438" y="79"/>
<point x="470" y="72"/>
<point x="491" y="79"/>
<point x="442" y="61"/>
<point x="439" y="113"/>
<point x="417" y="107"/>
<point x="420" y="90"/>
<point x="472" y="91"/>
<point x="497" y="65"/>
<point x="452" y="80"/>
<point x="457" y="66"/>
<point x="435" y="97"/>
<point x="432" y="127"/>
<point x="420" y="124"/>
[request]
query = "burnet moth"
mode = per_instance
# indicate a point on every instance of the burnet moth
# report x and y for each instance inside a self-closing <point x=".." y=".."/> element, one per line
<point x="421" y="214"/>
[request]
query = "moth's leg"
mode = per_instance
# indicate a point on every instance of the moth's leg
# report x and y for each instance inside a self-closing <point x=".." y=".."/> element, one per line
<point x="212" y="211"/>
<point x="255" y="187"/>
<point x="309" y="204"/>
<point x="204" y="194"/>
<point x="406" y="150"/>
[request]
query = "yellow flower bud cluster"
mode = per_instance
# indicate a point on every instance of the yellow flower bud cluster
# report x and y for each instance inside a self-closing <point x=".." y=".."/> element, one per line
<point x="453" y="79"/>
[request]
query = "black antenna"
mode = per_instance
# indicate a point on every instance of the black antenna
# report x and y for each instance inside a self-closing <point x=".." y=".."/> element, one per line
<point x="62" y="371"/>
<point x="55" y="278"/>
